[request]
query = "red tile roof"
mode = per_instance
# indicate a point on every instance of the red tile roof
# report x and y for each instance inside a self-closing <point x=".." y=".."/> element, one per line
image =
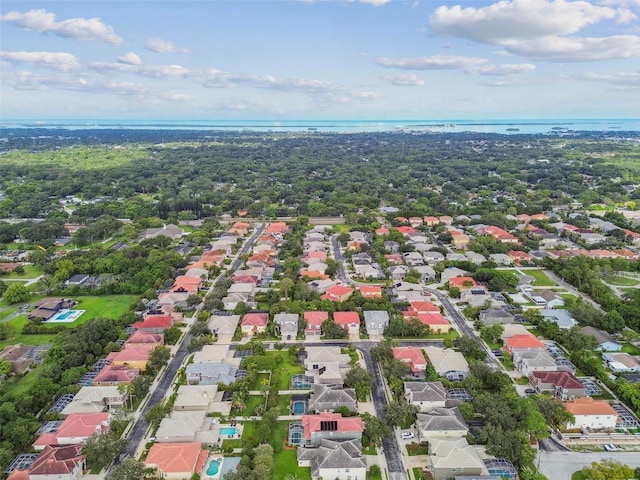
<point x="461" y="281"/>
<point x="255" y="319"/>
<point x="430" y="318"/>
<point x="411" y="356"/>
<point x="155" y="321"/>
<point x="143" y="338"/>
<point x="407" y="230"/>
<point x="131" y="354"/>
<point x="315" y="318"/>
<point x="589" y="406"/>
<point x="76" y="425"/>
<point x="382" y="231"/>
<point x="116" y="374"/>
<point x="55" y="461"/>
<point x="559" y="379"/>
<point x="346" y="318"/>
<point x="177" y="458"/>
<point x="369" y="291"/>
<point x="523" y="341"/>
<point x="424" y="307"/>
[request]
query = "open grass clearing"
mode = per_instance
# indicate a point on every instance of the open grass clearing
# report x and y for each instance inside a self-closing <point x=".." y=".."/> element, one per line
<point x="112" y="306"/>
<point x="30" y="271"/>
<point x="541" y="280"/>
<point x="620" y="281"/>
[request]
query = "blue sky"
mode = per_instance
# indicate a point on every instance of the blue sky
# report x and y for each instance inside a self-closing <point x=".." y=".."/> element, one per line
<point x="373" y="59"/>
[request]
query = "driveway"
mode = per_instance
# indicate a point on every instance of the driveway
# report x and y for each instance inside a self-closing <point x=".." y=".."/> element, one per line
<point x="561" y="465"/>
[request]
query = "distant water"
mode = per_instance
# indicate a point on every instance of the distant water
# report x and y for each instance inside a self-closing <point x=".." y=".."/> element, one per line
<point x="557" y="126"/>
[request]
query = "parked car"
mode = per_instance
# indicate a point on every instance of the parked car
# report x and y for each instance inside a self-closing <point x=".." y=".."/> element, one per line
<point x="407" y="435"/>
<point x="610" y="447"/>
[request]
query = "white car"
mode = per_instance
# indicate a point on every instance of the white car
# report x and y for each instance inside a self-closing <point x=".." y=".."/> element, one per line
<point x="610" y="447"/>
<point x="407" y="435"/>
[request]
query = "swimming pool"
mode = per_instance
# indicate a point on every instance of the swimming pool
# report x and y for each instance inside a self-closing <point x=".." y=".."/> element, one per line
<point x="228" y="431"/>
<point x="213" y="467"/>
<point x="66" y="316"/>
<point x="299" y="407"/>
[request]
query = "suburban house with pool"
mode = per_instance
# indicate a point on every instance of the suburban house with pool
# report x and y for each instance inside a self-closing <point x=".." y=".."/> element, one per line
<point x="330" y="426"/>
<point x="335" y="459"/>
<point x="175" y="461"/>
<point x="47" y="308"/>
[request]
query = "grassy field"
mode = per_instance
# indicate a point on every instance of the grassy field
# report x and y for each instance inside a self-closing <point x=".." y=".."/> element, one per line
<point x="112" y="306"/>
<point x="19" y="384"/>
<point x="541" y="279"/>
<point x="281" y="376"/>
<point x="30" y="271"/>
<point x="622" y="281"/>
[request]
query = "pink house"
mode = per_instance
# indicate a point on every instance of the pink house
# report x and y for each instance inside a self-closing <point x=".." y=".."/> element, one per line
<point x="350" y="321"/>
<point x="76" y="428"/>
<point x="314" y="321"/>
<point x="332" y="426"/>
<point x="338" y="293"/>
<point x="413" y="357"/>
<point x="254" y="323"/>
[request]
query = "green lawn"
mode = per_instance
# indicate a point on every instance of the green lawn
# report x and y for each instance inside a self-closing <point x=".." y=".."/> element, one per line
<point x="630" y="349"/>
<point x="622" y="281"/>
<point x="541" y="279"/>
<point x="252" y="402"/>
<point x="112" y="306"/>
<point x="579" y="476"/>
<point x="281" y="376"/>
<point x="260" y="379"/>
<point x="20" y="384"/>
<point x="30" y="271"/>
<point x="18" y="323"/>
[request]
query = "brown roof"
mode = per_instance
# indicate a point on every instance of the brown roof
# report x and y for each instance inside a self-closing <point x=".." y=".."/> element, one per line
<point x="559" y="379"/>
<point x="589" y="406"/>
<point x="11" y="353"/>
<point x="57" y="460"/>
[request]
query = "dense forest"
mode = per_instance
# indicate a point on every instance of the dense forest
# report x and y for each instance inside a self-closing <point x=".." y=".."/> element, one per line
<point x="196" y="174"/>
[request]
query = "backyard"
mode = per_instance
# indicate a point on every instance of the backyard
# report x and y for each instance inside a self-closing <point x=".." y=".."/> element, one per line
<point x="541" y="280"/>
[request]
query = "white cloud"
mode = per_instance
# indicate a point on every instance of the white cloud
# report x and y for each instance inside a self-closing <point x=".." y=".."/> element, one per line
<point x="411" y="80"/>
<point x="42" y="21"/>
<point x="631" y="80"/>
<point x="561" y="49"/>
<point x="472" y="65"/>
<point x="517" y="19"/>
<point x="159" y="45"/>
<point x="435" y="62"/>
<point x="152" y="71"/>
<point x="130" y="59"/>
<point x="538" y="29"/>
<point x="61" y="61"/>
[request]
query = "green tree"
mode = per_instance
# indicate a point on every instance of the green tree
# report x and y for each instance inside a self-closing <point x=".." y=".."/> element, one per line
<point x="102" y="448"/>
<point x="608" y="469"/>
<point x="375" y="429"/>
<point x="156" y="413"/>
<point x="158" y="358"/>
<point x="331" y="330"/>
<point x="359" y="379"/>
<point x="172" y="335"/>
<point x="492" y="333"/>
<point x="5" y="368"/>
<point x="400" y="414"/>
<point x="16" y="293"/>
<point x="128" y="469"/>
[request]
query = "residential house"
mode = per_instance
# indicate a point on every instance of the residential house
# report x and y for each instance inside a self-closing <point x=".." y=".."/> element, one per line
<point x="254" y="323"/>
<point x="413" y="358"/>
<point x="475" y="258"/>
<point x="76" y="428"/>
<point x="562" y="318"/>
<point x="606" y="343"/>
<point x="313" y="322"/>
<point x="116" y="375"/>
<point x="430" y="221"/>
<point x="547" y="298"/>
<point x="501" y="259"/>
<point x="495" y="315"/>
<point x="211" y="373"/>
<point x="446" y="219"/>
<point x="441" y="423"/>
<point x="426" y="395"/>
<point x="338" y="293"/>
<point x="154" y="323"/>
<point x="134" y="357"/>
<point x="459" y="240"/>
<point x="370" y="291"/>
<point x="433" y="258"/>
<point x="376" y="321"/>
<point x="223" y="326"/>
<point x="60" y="463"/>
<point x="182" y="426"/>
<point x="17" y="356"/>
<point x="463" y="283"/>
<point x="447" y="361"/>
<point x="529" y="361"/>
<point x="327" y="365"/>
<point x="413" y="259"/>
<point x="563" y="385"/>
<point x="519" y="256"/>
<point x="327" y="398"/>
<point x="417" y="307"/>
<point x="453" y="457"/>
<point x="497" y="233"/>
<point x="621" y="362"/>
<point x="95" y="399"/>
<point x="427" y="273"/>
<point x="334" y="459"/>
<point x="435" y="321"/>
<point x="144" y="339"/>
<point x="475" y="296"/>
<point x="407" y="231"/>
<point x="521" y="342"/>
<point x="330" y="426"/>
<point x="176" y="461"/>
<point x="398" y="272"/>
<point x="172" y="231"/>
<point x="196" y="397"/>
<point x="48" y="307"/>
<point x="590" y="413"/>
<point x="350" y="321"/>
<point x="321" y="286"/>
<point x="288" y="325"/>
<point x="239" y="229"/>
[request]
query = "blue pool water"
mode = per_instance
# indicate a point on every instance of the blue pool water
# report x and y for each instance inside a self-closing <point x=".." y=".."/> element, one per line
<point x="65" y="315"/>
<point x="298" y="408"/>
<point x="212" y="469"/>
<point x="228" y="431"/>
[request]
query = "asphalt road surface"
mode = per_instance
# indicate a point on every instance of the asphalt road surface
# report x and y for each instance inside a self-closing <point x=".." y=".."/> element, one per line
<point x="141" y="426"/>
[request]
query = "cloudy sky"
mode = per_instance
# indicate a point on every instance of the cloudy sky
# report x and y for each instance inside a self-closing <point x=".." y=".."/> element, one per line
<point x="332" y="59"/>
